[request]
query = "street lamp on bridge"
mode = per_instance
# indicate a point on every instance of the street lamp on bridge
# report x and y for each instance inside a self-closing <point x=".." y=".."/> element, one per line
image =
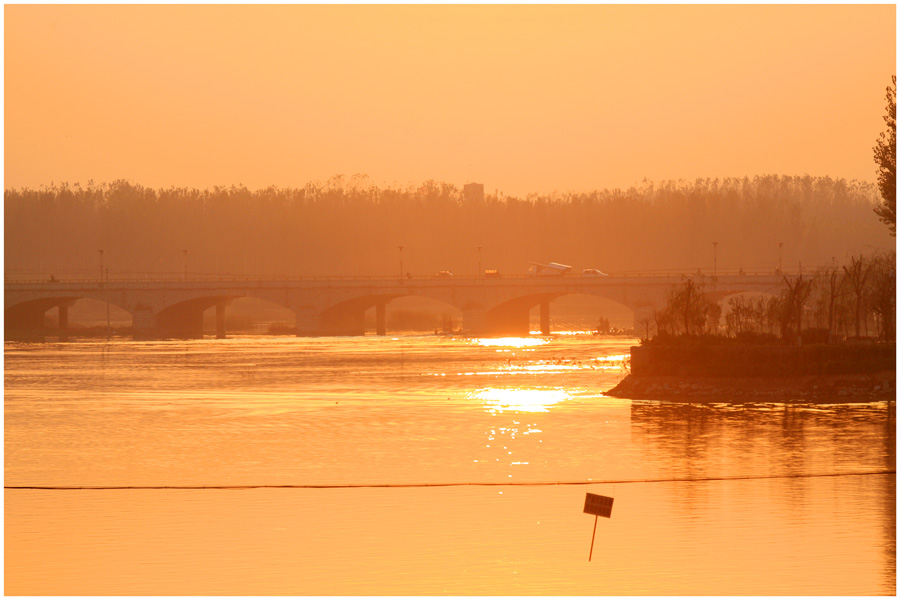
<point x="780" y="244"/>
<point x="401" y="262"/>
<point x="479" y="261"/>
<point x="108" y="330"/>
<point x="715" y="257"/>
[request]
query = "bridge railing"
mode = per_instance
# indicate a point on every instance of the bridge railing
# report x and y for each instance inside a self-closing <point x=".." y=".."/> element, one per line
<point x="518" y="276"/>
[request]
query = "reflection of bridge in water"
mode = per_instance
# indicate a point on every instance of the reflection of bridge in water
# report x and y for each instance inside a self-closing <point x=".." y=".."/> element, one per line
<point x="337" y="306"/>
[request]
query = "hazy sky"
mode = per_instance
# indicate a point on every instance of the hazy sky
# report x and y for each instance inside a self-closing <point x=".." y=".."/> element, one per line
<point x="521" y="98"/>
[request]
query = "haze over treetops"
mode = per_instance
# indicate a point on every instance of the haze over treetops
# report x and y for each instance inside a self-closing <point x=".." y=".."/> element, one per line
<point x="349" y="226"/>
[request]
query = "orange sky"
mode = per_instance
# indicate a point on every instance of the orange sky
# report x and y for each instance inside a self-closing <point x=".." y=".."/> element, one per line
<point x="522" y="98"/>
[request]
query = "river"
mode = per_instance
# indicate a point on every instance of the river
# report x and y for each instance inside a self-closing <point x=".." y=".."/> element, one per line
<point x="723" y="499"/>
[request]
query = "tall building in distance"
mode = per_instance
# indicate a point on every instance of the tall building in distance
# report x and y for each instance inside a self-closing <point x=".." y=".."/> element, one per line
<point x="473" y="191"/>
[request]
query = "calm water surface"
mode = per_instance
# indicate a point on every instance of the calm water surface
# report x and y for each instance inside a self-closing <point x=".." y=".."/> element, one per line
<point x="251" y="411"/>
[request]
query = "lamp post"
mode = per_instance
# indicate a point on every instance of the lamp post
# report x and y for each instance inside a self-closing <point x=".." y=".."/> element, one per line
<point x="479" y="261"/>
<point x="106" y="293"/>
<point x="401" y="262"/>
<point x="780" y="244"/>
<point x="185" y="264"/>
<point x="715" y="256"/>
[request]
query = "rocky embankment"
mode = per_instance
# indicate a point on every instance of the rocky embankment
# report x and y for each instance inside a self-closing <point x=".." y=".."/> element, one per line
<point x="869" y="387"/>
<point x="705" y="373"/>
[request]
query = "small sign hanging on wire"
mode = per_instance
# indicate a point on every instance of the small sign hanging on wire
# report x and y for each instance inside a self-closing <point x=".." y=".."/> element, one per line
<point x="595" y="504"/>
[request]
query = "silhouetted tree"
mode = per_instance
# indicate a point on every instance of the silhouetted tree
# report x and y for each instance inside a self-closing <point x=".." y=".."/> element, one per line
<point x="883" y="294"/>
<point x="829" y="284"/>
<point x="688" y="309"/>
<point x="886" y="159"/>
<point x="746" y="316"/>
<point x="665" y="323"/>
<point x="790" y="309"/>
<point x="857" y="274"/>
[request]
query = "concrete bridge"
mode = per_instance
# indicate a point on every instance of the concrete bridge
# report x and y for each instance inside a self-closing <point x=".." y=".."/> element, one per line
<point x="336" y="306"/>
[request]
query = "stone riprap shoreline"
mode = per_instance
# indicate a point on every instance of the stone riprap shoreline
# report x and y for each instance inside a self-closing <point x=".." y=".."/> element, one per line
<point x="871" y="387"/>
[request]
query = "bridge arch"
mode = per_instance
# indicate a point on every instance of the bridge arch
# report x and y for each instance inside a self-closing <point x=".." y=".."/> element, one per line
<point x="582" y="311"/>
<point x="29" y="315"/>
<point x="514" y="315"/>
<point x="348" y="316"/>
<point x="185" y="318"/>
<point x="418" y="313"/>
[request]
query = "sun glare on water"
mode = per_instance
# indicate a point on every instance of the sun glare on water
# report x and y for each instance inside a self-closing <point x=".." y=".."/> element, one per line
<point x="520" y="399"/>
<point x="510" y="342"/>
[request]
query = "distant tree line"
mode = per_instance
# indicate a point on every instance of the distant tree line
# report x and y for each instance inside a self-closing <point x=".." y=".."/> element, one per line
<point x="349" y="226"/>
<point x="855" y="300"/>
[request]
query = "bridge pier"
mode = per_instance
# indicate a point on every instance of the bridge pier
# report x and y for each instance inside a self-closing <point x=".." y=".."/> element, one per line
<point x="63" y="317"/>
<point x="545" y="317"/>
<point x="220" y="320"/>
<point x="143" y="323"/>
<point x="644" y="323"/>
<point x="308" y="322"/>
<point x="63" y="322"/>
<point x="474" y="320"/>
<point x="380" y="319"/>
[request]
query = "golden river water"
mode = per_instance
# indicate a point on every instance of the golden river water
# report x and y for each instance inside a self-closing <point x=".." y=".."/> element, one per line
<point x="315" y="466"/>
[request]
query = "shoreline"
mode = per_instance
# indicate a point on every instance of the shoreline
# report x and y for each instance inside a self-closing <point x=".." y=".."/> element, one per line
<point x="879" y="386"/>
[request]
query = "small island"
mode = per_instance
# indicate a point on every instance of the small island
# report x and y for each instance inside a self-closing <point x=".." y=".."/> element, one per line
<point x="809" y="343"/>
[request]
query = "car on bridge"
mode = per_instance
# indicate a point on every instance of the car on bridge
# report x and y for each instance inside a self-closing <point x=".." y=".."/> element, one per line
<point x="549" y="270"/>
<point x="593" y="273"/>
<point x="444" y="274"/>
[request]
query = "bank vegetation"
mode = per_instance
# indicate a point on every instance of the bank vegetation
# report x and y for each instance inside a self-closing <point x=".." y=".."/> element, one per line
<point x="855" y="301"/>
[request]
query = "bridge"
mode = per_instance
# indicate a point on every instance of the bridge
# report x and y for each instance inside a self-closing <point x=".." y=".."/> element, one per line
<point x="336" y="306"/>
